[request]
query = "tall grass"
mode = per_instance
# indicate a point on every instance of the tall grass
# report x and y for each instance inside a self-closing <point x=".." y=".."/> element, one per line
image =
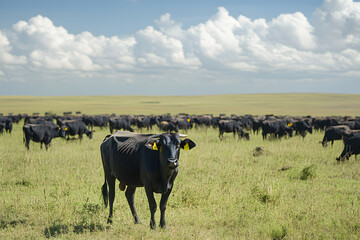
<point x="222" y="191"/>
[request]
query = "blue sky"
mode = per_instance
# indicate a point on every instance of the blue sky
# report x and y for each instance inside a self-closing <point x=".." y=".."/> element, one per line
<point x="159" y="47"/>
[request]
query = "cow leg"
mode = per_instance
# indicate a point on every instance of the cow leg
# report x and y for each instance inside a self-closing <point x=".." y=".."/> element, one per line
<point x="163" y="202"/>
<point x="221" y="135"/>
<point x="111" y="183"/>
<point x="27" y="144"/>
<point x="152" y="206"/>
<point x="130" y="193"/>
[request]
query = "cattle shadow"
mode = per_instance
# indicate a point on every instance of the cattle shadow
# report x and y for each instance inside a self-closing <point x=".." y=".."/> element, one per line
<point x="87" y="223"/>
<point x="57" y="229"/>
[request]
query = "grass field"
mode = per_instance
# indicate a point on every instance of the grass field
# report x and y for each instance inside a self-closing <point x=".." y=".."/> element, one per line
<point x="257" y="104"/>
<point x="222" y="190"/>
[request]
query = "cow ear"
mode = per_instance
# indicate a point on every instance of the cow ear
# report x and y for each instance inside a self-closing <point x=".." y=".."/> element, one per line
<point x="152" y="144"/>
<point x="187" y="144"/>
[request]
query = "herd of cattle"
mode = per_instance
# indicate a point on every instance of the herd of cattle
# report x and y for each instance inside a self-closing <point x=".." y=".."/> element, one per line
<point x="151" y="161"/>
<point x="44" y="128"/>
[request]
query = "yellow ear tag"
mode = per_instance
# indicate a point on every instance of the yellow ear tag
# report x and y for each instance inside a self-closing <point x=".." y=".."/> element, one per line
<point x="188" y="120"/>
<point x="66" y="129"/>
<point x="186" y="147"/>
<point x="155" y="147"/>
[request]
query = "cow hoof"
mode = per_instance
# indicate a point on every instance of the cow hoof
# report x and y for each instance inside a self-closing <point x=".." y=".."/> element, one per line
<point x="152" y="225"/>
<point x="109" y="221"/>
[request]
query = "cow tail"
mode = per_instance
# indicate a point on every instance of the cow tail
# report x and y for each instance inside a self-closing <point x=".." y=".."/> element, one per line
<point x="105" y="194"/>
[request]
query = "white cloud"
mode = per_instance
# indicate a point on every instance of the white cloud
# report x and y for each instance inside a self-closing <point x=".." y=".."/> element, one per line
<point x="155" y="48"/>
<point x="5" y="56"/>
<point x="337" y="25"/>
<point x="292" y="30"/>
<point x="223" y="48"/>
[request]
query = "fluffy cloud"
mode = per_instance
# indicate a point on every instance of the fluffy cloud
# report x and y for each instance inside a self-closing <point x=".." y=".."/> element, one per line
<point x="235" y="47"/>
<point x="157" y="49"/>
<point x="337" y="25"/>
<point x="5" y="56"/>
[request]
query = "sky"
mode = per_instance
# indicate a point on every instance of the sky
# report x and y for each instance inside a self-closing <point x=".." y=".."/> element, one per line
<point x="168" y="47"/>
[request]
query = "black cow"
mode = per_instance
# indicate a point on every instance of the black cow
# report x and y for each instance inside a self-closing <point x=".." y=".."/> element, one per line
<point x="42" y="133"/>
<point x="74" y="127"/>
<point x="350" y="133"/>
<point x="202" y="121"/>
<point x="16" y="118"/>
<point x="120" y="123"/>
<point x="257" y="123"/>
<point x="100" y="121"/>
<point x="89" y="121"/>
<point x="232" y="126"/>
<point x="184" y="123"/>
<point x="7" y="122"/>
<point x="145" y="122"/>
<point x="2" y="127"/>
<point x="279" y="128"/>
<point x="352" y="146"/>
<point x="168" y="126"/>
<point x="334" y="133"/>
<point x="139" y="160"/>
<point x="301" y="127"/>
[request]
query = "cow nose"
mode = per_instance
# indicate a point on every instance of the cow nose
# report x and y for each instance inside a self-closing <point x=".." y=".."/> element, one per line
<point x="173" y="163"/>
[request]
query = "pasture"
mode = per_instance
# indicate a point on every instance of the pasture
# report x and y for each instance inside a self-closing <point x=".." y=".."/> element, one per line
<point x="294" y="190"/>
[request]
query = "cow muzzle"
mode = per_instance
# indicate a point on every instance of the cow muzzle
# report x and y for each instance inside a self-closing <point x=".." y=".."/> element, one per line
<point x="173" y="163"/>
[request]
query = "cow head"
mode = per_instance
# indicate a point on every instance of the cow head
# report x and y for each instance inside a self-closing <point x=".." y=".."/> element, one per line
<point x="62" y="131"/>
<point x="343" y="156"/>
<point x="168" y="145"/>
<point x="89" y="134"/>
<point x="289" y="131"/>
<point x="247" y="136"/>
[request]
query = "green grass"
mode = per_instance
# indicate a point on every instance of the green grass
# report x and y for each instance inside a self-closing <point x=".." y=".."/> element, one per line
<point x="222" y="191"/>
<point x="257" y="104"/>
<point x="294" y="190"/>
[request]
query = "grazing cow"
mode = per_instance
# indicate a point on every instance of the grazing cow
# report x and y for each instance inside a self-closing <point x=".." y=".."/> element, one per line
<point x="277" y="127"/>
<point x="145" y="122"/>
<point x="16" y="118"/>
<point x="334" y="133"/>
<point x="202" y="121"/>
<point x="89" y="121"/>
<point x="301" y="127"/>
<point x="352" y="146"/>
<point x="168" y="126"/>
<point x="184" y="123"/>
<point x="74" y="127"/>
<point x="2" y="127"/>
<point x="257" y="123"/>
<point x="247" y="122"/>
<point x="42" y="133"/>
<point x="139" y="160"/>
<point x="120" y="123"/>
<point x="350" y="133"/>
<point x="100" y="121"/>
<point x="7" y="121"/>
<point x="232" y="126"/>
